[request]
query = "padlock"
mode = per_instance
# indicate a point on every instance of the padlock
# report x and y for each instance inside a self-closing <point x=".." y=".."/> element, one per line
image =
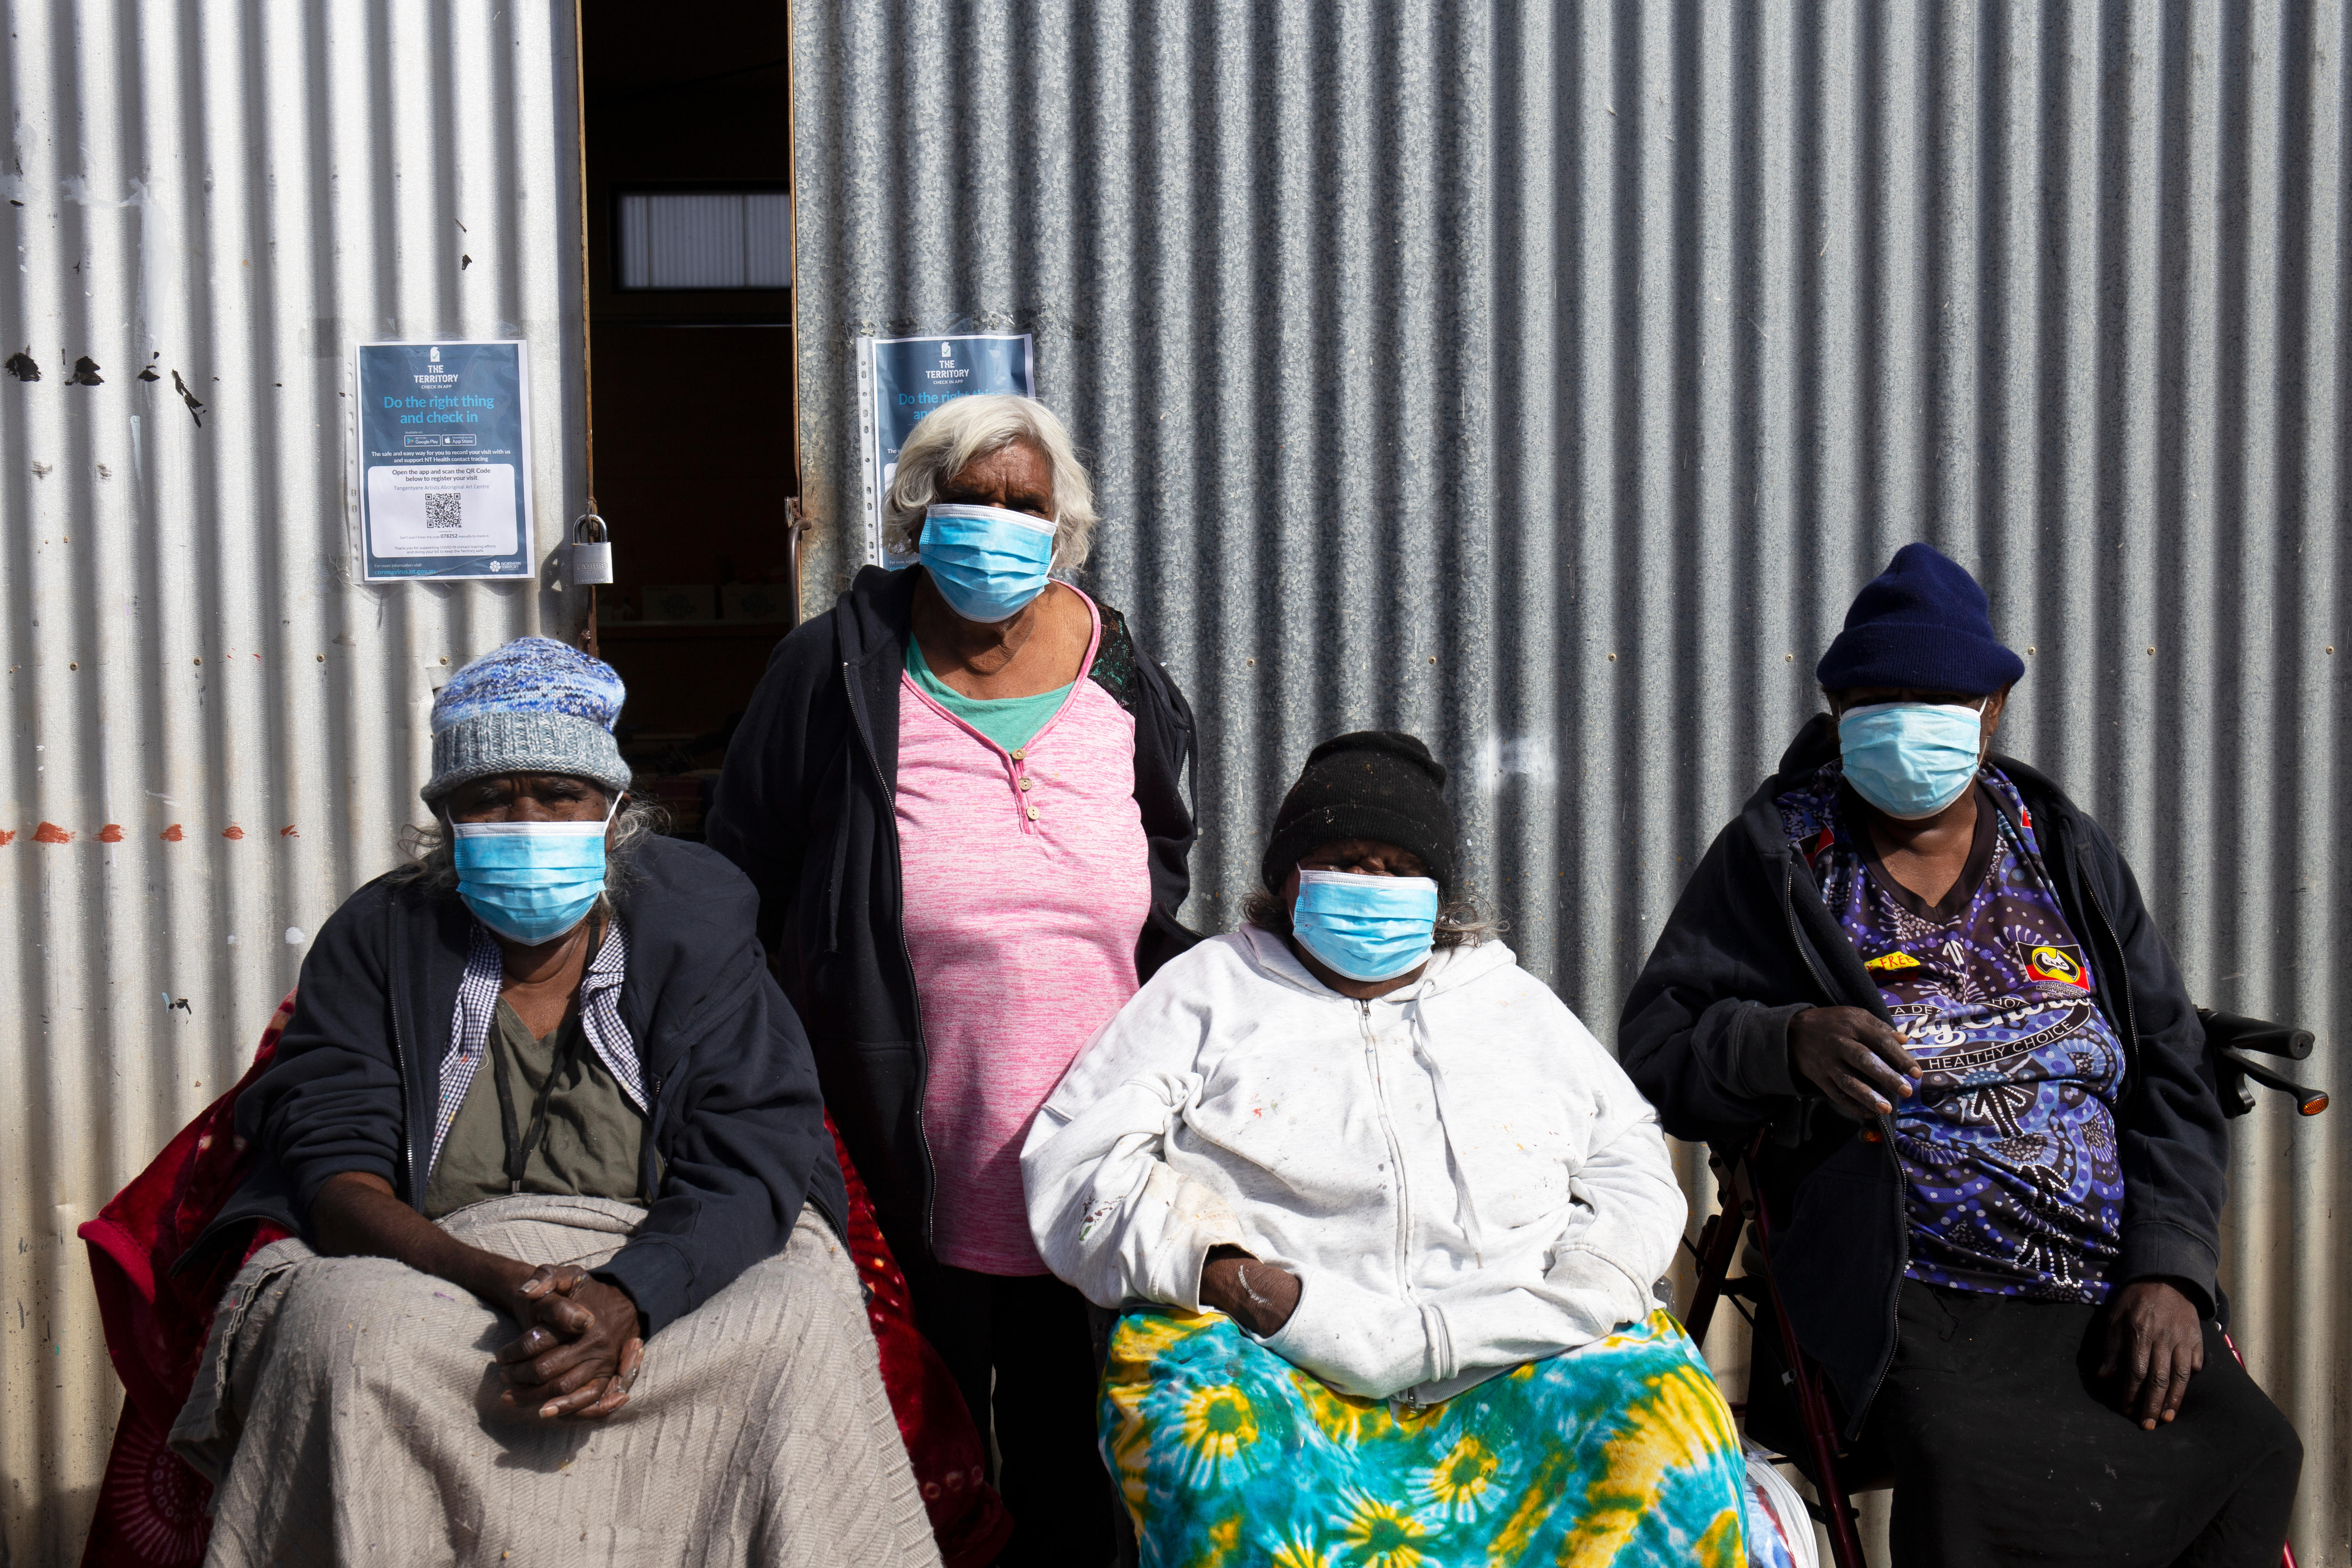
<point x="592" y="551"/>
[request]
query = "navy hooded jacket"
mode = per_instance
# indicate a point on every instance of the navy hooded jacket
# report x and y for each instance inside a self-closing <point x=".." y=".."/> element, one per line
<point x="733" y="1109"/>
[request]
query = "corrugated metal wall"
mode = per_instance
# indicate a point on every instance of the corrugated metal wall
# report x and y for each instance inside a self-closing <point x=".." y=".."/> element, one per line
<point x="1545" y="378"/>
<point x="213" y="731"/>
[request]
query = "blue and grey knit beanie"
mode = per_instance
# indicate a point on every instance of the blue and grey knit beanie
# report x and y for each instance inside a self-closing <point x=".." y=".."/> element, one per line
<point x="533" y="706"/>
<point x="1921" y="624"/>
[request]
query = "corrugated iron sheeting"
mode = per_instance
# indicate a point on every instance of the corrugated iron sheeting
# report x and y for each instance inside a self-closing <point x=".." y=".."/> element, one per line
<point x="1545" y="379"/>
<point x="214" y="732"/>
<point x="705" y="240"/>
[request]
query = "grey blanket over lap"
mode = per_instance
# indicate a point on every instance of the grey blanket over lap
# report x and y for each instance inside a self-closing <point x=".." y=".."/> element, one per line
<point x="347" y="1410"/>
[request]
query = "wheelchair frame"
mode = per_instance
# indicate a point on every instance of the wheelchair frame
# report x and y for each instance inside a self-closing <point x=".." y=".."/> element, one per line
<point x="2229" y="1037"/>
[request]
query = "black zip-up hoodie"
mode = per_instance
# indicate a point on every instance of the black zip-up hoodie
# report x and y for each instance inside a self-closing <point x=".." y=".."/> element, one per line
<point x="733" y="1108"/>
<point x="806" y="807"/>
<point x="1750" y="944"/>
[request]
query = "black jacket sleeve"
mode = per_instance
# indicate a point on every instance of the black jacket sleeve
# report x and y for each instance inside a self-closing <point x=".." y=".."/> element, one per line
<point x="2174" y="1142"/>
<point x="760" y="812"/>
<point x="1704" y="1033"/>
<point x="743" y="1135"/>
<point x="1166" y="758"/>
<point x="331" y="1100"/>
<point x="736" y="1115"/>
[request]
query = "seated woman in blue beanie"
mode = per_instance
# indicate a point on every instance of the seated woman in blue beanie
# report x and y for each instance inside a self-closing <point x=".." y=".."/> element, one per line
<point x="564" y="1264"/>
<point x="1998" y="1170"/>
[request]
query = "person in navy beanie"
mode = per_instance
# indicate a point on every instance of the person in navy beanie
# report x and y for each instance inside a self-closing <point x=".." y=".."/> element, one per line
<point x="1923" y="624"/>
<point x="1997" y="1171"/>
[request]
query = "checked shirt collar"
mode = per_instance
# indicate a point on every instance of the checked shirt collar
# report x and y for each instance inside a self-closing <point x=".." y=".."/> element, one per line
<point x="478" y="1008"/>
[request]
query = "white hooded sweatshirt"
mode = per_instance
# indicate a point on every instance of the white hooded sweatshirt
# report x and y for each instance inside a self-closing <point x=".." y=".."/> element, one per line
<point x="1461" y="1178"/>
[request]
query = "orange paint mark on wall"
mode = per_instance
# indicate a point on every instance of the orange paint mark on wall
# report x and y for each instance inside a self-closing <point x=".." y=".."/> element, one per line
<point x="288" y="832"/>
<point x="232" y="831"/>
<point x="6" y="838"/>
<point x="50" y="833"/>
<point x="110" y="833"/>
<point x="172" y="835"/>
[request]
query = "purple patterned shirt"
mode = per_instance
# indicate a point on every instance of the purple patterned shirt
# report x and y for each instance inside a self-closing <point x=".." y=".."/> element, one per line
<point x="2007" y="1146"/>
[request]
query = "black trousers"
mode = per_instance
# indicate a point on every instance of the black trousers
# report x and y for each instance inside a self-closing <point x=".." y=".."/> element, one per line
<point x="2008" y="1447"/>
<point x="1022" y="1351"/>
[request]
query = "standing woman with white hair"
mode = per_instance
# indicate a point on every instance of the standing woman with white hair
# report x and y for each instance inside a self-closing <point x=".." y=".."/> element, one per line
<point x="960" y="797"/>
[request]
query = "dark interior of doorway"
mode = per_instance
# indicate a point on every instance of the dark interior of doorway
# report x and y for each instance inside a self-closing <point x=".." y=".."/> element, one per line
<point x="693" y="414"/>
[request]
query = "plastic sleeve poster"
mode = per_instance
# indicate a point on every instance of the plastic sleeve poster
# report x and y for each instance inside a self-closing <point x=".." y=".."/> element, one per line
<point x="899" y="380"/>
<point x="444" y="480"/>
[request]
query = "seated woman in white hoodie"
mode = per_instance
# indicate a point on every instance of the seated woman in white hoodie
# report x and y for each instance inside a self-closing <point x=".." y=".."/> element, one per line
<point x="1384" y="1219"/>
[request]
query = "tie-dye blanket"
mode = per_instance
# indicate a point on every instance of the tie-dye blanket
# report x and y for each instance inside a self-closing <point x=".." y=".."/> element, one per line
<point x="1620" y="1454"/>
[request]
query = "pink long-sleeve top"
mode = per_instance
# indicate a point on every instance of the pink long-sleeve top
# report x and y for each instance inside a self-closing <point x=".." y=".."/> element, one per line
<point x="1026" y="884"/>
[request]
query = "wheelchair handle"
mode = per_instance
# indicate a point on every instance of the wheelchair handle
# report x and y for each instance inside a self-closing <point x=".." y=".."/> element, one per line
<point x="2308" y="1101"/>
<point x="2233" y="1031"/>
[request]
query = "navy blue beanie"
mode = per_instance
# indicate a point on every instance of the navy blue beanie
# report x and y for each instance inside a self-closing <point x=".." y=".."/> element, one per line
<point x="1923" y="624"/>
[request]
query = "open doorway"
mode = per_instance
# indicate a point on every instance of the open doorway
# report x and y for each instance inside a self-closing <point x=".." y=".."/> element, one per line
<point x="693" y="419"/>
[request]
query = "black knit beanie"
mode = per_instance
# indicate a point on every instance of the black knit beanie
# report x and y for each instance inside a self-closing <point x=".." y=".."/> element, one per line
<point x="1381" y="785"/>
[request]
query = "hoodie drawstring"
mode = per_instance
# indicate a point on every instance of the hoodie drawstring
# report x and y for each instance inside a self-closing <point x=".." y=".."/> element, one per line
<point x="1464" y="1198"/>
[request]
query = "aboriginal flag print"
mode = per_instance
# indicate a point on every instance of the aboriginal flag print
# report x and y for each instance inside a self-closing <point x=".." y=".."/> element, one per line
<point x="2058" y="966"/>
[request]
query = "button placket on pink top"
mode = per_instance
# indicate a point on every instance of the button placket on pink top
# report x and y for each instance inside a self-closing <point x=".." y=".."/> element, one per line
<point x="1018" y="777"/>
<point x="1022" y="946"/>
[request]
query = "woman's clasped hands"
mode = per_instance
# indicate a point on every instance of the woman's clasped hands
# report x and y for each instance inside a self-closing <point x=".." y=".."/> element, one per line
<point x="582" y="1347"/>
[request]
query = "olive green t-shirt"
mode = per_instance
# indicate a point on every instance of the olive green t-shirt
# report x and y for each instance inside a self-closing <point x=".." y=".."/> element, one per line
<point x="595" y="1134"/>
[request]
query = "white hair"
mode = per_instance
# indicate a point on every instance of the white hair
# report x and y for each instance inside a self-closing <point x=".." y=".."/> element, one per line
<point x="957" y="434"/>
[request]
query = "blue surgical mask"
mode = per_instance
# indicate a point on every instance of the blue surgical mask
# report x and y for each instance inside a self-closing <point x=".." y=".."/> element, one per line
<point x="987" y="562"/>
<point x="1366" y="927"/>
<point x="1910" y="760"/>
<point x="531" y="881"/>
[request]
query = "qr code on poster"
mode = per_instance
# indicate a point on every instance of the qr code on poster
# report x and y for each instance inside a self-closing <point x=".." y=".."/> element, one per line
<point x="444" y="508"/>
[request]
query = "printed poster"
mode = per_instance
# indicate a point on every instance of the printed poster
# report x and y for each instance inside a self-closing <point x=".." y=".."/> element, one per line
<point x="444" y="459"/>
<point x="899" y="380"/>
